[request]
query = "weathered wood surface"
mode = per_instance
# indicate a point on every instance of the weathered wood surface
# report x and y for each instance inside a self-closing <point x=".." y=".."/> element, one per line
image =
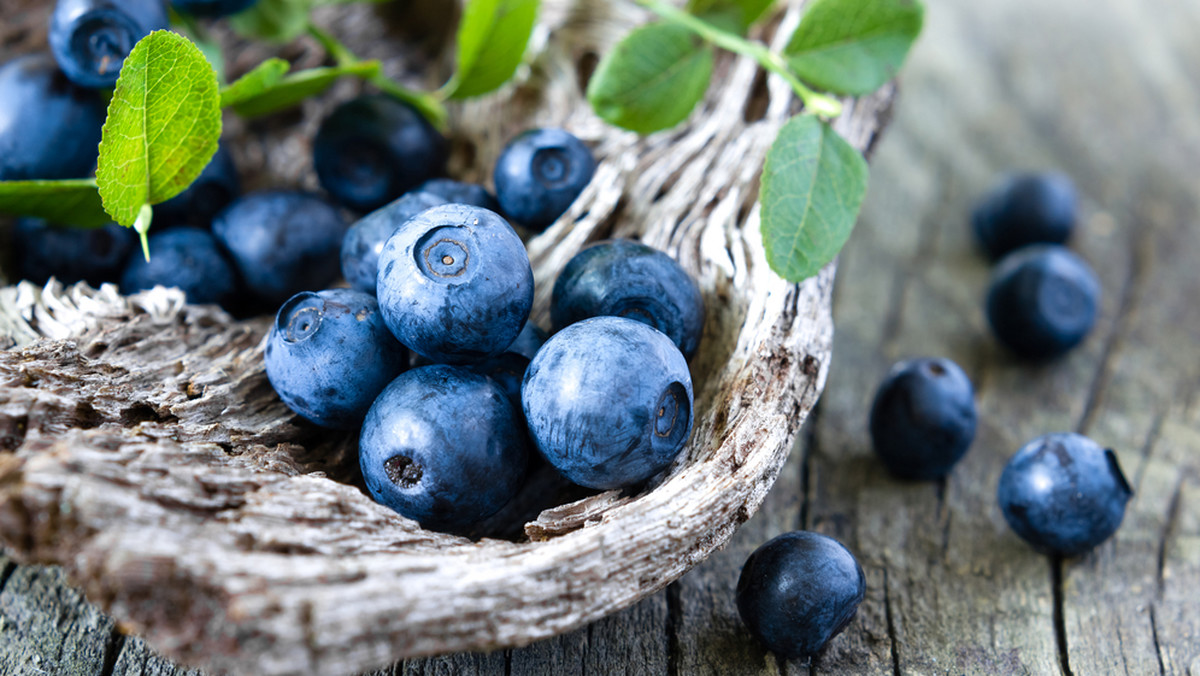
<point x="1103" y="89"/>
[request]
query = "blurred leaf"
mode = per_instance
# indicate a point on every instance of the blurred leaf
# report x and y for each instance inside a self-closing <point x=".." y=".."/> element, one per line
<point x="72" y="202"/>
<point x="269" y="91"/>
<point x="492" y="38"/>
<point x="740" y="13"/>
<point x="853" y="46"/>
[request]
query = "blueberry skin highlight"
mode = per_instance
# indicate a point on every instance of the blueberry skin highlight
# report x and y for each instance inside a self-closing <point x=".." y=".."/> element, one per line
<point x="188" y="258"/>
<point x="329" y="355"/>
<point x="422" y="457"/>
<point x="455" y="284"/>
<point x="457" y="192"/>
<point x="365" y="239"/>
<point x="608" y="401"/>
<point x="212" y="8"/>
<point x="282" y="243"/>
<point x="798" y="591"/>
<point x="624" y="278"/>
<point x="1063" y="493"/>
<point x="91" y="38"/>
<point x="1042" y="301"/>
<point x="49" y="127"/>
<point x="540" y="173"/>
<point x="1024" y="209"/>
<point x="71" y="254"/>
<point x="923" y="418"/>
<point x="212" y="191"/>
<point x="373" y="149"/>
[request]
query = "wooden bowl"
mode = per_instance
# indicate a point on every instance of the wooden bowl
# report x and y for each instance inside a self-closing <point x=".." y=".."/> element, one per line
<point x="142" y="448"/>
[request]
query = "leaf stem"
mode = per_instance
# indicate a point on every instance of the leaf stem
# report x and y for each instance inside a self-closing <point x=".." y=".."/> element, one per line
<point x="142" y="226"/>
<point x="821" y="104"/>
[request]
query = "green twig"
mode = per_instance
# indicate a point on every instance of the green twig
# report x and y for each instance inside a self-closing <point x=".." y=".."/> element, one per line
<point x="821" y="104"/>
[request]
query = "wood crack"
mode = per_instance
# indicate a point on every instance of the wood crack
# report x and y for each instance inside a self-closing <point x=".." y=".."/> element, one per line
<point x="674" y="618"/>
<point x="1168" y="528"/>
<point x="891" y="624"/>
<point x="1059" y="614"/>
<point x="1162" y="668"/>
<point x="6" y="571"/>
<point x="112" y="652"/>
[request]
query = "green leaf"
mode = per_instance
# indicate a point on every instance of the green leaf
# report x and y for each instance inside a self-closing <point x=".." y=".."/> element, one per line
<point x="268" y="91"/>
<point x="163" y="126"/>
<point x="743" y="13"/>
<point x="492" y="38"/>
<point x="652" y="79"/>
<point x="813" y="184"/>
<point x="274" y="20"/>
<point x="853" y="46"/>
<point x="72" y="202"/>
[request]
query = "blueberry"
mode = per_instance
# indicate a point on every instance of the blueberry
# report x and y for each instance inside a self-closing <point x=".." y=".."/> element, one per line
<point x="608" y="401"/>
<point x="1063" y="493"/>
<point x="49" y="128"/>
<point x="91" y="38"/>
<point x="540" y="173"/>
<point x="422" y="457"/>
<point x="455" y="284"/>
<point x="71" y="254"/>
<point x="629" y="279"/>
<point x="508" y="370"/>
<point x="373" y="149"/>
<point x="1034" y="208"/>
<point x="212" y="191"/>
<point x="798" y="591"/>
<point x="923" y="418"/>
<point x="529" y="341"/>
<point x="1042" y="301"/>
<point x="212" y="8"/>
<point x="187" y="258"/>
<point x="329" y="355"/>
<point x="365" y="239"/>
<point x="457" y="192"/>
<point x="282" y="243"/>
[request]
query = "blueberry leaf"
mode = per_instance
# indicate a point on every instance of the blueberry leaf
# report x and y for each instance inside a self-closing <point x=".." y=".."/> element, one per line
<point x="273" y="20"/>
<point x="652" y="79"/>
<point x="853" y="46"/>
<point x="267" y="89"/>
<point x="264" y="76"/>
<point x="492" y="38"/>
<point x="742" y="13"/>
<point x="163" y="125"/>
<point x="75" y="202"/>
<point x="813" y="184"/>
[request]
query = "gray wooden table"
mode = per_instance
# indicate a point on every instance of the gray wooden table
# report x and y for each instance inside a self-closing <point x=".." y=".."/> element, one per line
<point x="1106" y="90"/>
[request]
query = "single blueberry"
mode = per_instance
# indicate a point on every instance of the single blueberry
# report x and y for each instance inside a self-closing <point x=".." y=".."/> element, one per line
<point x="508" y="368"/>
<point x="421" y="456"/>
<point x="49" y="128"/>
<point x="329" y="355"/>
<point x="70" y="254"/>
<point x="624" y="278"/>
<point x="540" y="173"/>
<point x="365" y="239"/>
<point x="529" y="341"/>
<point x="91" y="38"/>
<point x="798" y="591"/>
<point x="1023" y="209"/>
<point x="212" y="8"/>
<point x="282" y="243"/>
<point x="608" y="401"/>
<point x="212" y="191"/>
<point x="187" y="258"/>
<point x="1063" y="493"/>
<point x="455" y="284"/>
<point x="1042" y="301"/>
<point x="373" y="149"/>
<point x="457" y="192"/>
<point x="923" y="418"/>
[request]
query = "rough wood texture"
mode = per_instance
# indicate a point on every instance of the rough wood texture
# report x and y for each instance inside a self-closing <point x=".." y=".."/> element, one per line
<point x="147" y="454"/>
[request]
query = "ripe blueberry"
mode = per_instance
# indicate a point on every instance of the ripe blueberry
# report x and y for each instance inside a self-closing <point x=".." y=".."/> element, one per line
<point x="508" y="367"/>
<point x="282" y="243"/>
<point x="455" y="284"/>
<point x="540" y="173"/>
<point x="1034" y="208"/>
<point x="329" y="355"/>
<point x="373" y="149"/>
<point x="91" y="38"/>
<point x="212" y="8"/>
<point x="1063" y="493"/>
<point x="457" y="192"/>
<point x="187" y="258"/>
<point x="212" y="191"/>
<point x="1042" y="301"/>
<point x="70" y="254"/>
<point x="49" y="128"/>
<point x="365" y="239"/>
<point x="798" y="591"/>
<point x="624" y="278"/>
<point x="608" y="401"/>
<point x="425" y="457"/>
<point x="923" y="418"/>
